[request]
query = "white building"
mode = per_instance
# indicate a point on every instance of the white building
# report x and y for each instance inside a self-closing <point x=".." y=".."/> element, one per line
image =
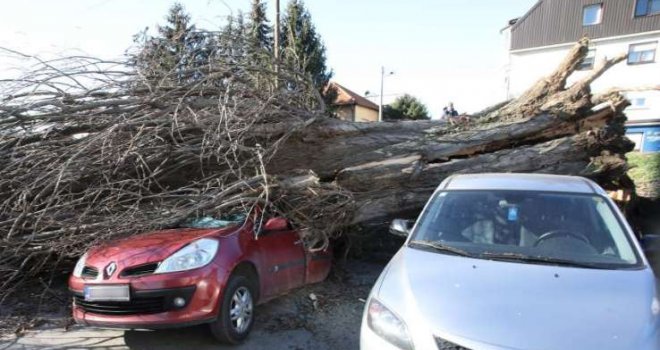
<point x="541" y="38"/>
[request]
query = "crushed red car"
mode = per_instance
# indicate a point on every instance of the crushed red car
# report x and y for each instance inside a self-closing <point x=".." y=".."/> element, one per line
<point x="210" y="271"/>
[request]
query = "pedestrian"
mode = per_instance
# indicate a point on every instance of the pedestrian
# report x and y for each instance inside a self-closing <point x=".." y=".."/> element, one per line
<point x="445" y="113"/>
<point x="451" y="110"/>
<point x="452" y="116"/>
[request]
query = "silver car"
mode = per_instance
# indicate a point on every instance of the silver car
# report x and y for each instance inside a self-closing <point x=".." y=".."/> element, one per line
<point x="515" y="261"/>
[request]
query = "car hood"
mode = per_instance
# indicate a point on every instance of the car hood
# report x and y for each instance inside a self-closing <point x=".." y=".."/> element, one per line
<point x="508" y="305"/>
<point x="148" y="247"/>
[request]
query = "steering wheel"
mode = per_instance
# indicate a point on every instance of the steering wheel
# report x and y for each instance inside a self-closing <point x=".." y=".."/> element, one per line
<point x="562" y="233"/>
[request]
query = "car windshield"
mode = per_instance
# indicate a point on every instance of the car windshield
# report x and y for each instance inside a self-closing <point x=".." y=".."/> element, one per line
<point x="526" y="226"/>
<point x="215" y="221"/>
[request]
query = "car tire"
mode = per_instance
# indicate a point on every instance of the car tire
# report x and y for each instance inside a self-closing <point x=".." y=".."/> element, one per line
<point x="236" y="314"/>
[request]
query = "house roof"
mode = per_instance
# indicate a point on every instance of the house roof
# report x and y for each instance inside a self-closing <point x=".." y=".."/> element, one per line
<point x="346" y="97"/>
<point x="519" y="20"/>
<point x="555" y="22"/>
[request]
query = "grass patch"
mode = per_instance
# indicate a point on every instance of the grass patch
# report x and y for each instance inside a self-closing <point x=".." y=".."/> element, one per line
<point x="645" y="167"/>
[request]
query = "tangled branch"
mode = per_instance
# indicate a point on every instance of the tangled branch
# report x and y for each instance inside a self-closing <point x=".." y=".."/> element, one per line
<point x="92" y="150"/>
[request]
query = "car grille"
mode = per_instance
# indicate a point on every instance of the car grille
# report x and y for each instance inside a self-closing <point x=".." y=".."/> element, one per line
<point x="447" y="345"/>
<point x="142" y="302"/>
<point x="144" y="305"/>
<point x="141" y="270"/>
<point x="89" y="272"/>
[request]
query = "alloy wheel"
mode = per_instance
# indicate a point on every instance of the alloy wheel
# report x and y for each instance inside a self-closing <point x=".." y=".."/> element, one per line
<point x="240" y="309"/>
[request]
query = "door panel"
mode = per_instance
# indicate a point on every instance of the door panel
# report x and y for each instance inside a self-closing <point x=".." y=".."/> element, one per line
<point x="318" y="265"/>
<point x="283" y="260"/>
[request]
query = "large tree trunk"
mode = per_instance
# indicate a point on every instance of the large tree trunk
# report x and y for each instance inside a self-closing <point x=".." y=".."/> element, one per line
<point x="392" y="168"/>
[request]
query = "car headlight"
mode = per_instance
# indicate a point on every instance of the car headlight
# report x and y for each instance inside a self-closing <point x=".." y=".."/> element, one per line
<point x="194" y="255"/>
<point x="80" y="265"/>
<point x="388" y="325"/>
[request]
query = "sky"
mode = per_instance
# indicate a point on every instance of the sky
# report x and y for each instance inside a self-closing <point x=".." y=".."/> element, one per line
<point x="440" y="51"/>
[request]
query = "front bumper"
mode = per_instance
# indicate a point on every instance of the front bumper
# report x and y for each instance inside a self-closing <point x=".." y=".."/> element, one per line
<point x="152" y="300"/>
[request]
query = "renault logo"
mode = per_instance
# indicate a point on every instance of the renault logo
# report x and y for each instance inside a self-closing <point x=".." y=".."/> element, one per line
<point x="110" y="269"/>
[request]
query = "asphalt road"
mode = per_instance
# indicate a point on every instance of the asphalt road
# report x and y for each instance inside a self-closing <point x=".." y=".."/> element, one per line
<point x="189" y="338"/>
<point x="289" y="322"/>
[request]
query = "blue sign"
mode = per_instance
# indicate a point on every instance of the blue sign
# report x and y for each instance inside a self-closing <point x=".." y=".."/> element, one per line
<point x="651" y="138"/>
<point x="652" y="141"/>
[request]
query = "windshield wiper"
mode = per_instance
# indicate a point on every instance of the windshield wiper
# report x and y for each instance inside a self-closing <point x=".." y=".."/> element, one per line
<point x="439" y="247"/>
<point x="537" y="259"/>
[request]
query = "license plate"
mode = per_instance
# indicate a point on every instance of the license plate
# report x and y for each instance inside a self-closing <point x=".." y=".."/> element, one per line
<point x="119" y="292"/>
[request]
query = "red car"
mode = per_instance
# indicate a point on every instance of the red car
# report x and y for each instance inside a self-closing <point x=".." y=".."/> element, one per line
<point x="192" y="275"/>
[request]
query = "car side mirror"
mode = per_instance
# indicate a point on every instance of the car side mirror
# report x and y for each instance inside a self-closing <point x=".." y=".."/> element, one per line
<point x="276" y="224"/>
<point x="651" y="244"/>
<point x="400" y="227"/>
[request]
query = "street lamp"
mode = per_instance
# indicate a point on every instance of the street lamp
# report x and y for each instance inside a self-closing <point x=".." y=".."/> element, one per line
<point x="380" y="105"/>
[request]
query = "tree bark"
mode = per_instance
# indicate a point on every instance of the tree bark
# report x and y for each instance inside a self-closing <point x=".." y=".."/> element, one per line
<point x="392" y="168"/>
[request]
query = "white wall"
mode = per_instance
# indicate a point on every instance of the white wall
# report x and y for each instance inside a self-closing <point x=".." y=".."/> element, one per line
<point x="506" y="62"/>
<point x="527" y="66"/>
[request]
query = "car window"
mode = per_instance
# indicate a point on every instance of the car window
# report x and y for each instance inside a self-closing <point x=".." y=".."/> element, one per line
<point x="218" y="221"/>
<point x="615" y="230"/>
<point x="573" y="227"/>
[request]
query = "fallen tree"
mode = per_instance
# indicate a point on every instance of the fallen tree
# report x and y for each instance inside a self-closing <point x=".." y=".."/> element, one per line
<point x="393" y="167"/>
<point x="92" y="150"/>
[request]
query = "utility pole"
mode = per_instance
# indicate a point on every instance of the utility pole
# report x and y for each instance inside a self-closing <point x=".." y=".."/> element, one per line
<point x="382" y="79"/>
<point x="380" y="105"/>
<point x="276" y="43"/>
<point x="277" y="30"/>
<point x="382" y="92"/>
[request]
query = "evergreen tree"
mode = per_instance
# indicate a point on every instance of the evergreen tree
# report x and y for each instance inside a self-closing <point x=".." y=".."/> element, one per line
<point x="226" y="37"/>
<point x="178" y="53"/>
<point x="406" y="107"/>
<point x="261" y="34"/>
<point x="176" y="29"/>
<point x="302" y="47"/>
<point x="233" y="40"/>
<point x="174" y="47"/>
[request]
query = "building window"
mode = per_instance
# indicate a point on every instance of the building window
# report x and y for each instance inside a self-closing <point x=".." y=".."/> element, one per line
<point x="647" y="8"/>
<point x="638" y="102"/>
<point x="592" y="14"/>
<point x="642" y="53"/>
<point x="588" y="61"/>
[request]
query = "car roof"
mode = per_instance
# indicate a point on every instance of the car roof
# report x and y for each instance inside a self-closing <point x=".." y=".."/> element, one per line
<point x="523" y="182"/>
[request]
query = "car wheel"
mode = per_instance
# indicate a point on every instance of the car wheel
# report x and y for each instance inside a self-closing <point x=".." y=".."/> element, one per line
<point x="236" y="315"/>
